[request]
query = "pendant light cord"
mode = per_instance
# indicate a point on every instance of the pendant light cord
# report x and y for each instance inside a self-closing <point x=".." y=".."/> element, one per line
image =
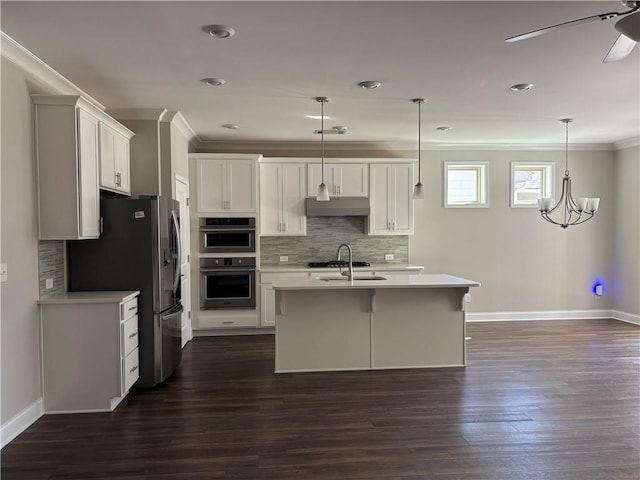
<point x="322" y="135"/>
<point x="419" y="129"/>
<point x="566" y="149"/>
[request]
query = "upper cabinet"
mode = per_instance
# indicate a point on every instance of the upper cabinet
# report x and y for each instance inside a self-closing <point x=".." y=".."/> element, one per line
<point x="114" y="158"/>
<point x="391" y="203"/>
<point x="282" y="196"/>
<point x="226" y="183"/>
<point x="69" y="142"/>
<point x="342" y="179"/>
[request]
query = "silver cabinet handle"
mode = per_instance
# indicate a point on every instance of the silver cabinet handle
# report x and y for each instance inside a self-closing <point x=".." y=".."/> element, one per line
<point x="133" y="369"/>
<point x="228" y="322"/>
<point x="133" y="308"/>
<point x="118" y="179"/>
<point x="339" y="189"/>
<point x="133" y="334"/>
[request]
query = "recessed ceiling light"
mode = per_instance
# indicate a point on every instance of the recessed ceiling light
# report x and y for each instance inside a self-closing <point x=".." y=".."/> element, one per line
<point x="219" y="31"/>
<point x="443" y="129"/>
<point x="317" y="117"/>
<point x="370" y="84"/>
<point x="214" y="82"/>
<point x="521" y="87"/>
<point x="231" y="126"/>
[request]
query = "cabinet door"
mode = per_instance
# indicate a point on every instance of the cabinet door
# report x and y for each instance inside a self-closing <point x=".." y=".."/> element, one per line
<point x="401" y="201"/>
<point x="107" y="158"/>
<point x="352" y="180"/>
<point x="380" y="216"/>
<point x="267" y="306"/>
<point x="270" y="199"/>
<point x="89" y="200"/>
<point x="121" y="161"/>
<point x="210" y="186"/>
<point x="241" y="196"/>
<point x="293" y="183"/>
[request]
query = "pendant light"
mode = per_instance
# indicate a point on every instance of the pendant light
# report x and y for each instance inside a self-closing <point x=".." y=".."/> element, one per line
<point x="323" y="191"/>
<point x="574" y="210"/>
<point x="418" y="189"/>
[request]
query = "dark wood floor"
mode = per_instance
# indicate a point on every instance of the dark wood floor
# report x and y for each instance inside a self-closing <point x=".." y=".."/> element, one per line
<point x="539" y="400"/>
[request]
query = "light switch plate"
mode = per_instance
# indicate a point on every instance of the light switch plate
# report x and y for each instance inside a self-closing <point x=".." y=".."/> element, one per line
<point x="48" y="283"/>
<point x="4" y="273"/>
<point x="388" y="256"/>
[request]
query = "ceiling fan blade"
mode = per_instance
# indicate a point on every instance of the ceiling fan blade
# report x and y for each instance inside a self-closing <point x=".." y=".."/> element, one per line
<point x="630" y="26"/>
<point x="621" y="48"/>
<point x="542" y="31"/>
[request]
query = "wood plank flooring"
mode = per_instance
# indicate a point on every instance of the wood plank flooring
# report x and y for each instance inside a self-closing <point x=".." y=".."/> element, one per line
<point x="542" y="400"/>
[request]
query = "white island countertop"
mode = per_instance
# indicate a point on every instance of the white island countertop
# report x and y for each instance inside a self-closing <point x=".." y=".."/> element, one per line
<point x="392" y="281"/>
<point x="374" y="267"/>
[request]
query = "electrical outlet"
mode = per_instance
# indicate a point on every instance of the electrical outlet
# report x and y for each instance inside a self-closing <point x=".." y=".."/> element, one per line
<point x="284" y="258"/>
<point x="388" y="256"/>
<point x="467" y="297"/>
<point x="48" y="283"/>
<point x="4" y="273"/>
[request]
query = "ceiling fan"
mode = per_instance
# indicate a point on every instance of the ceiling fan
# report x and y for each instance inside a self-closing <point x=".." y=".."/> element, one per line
<point x="629" y="28"/>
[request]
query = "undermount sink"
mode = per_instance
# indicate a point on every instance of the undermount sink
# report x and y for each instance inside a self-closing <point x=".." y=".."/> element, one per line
<point x="342" y="279"/>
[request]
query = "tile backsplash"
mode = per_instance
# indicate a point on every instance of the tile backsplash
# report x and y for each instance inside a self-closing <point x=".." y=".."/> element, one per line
<point x="324" y="234"/>
<point x="51" y="265"/>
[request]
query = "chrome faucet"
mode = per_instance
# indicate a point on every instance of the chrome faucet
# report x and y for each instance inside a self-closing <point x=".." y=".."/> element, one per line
<point x="349" y="274"/>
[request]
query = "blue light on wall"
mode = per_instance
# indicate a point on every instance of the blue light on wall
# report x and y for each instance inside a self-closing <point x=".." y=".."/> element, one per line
<point x="597" y="287"/>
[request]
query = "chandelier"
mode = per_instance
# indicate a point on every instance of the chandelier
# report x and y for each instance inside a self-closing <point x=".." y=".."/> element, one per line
<point x="574" y="211"/>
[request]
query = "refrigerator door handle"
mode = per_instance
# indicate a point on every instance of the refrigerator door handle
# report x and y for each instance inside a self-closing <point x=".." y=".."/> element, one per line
<point x="176" y="273"/>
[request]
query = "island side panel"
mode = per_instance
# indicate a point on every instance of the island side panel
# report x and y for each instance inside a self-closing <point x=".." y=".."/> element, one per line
<point x="323" y="330"/>
<point x="421" y="327"/>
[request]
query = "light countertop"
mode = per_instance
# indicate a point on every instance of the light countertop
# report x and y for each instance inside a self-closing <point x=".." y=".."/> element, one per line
<point x="90" y="297"/>
<point x="374" y="267"/>
<point x="393" y="281"/>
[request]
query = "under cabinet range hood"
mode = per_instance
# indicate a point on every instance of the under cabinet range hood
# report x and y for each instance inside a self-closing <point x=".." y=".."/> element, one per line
<point x="338" y="207"/>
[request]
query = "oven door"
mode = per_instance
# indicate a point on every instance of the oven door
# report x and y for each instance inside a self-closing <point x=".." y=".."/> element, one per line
<point x="227" y="289"/>
<point x="227" y="240"/>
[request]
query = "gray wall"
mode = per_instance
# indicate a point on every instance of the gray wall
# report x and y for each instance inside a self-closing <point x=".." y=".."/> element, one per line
<point x="20" y="330"/>
<point x="626" y="247"/>
<point x="523" y="262"/>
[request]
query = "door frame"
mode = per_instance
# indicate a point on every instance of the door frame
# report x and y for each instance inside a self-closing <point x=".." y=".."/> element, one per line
<point x="185" y="229"/>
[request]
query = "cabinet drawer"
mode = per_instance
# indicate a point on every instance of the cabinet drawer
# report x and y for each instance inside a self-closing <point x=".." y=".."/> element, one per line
<point x="129" y="308"/>
<point x="130" y="371"/>
<point x="129" y="335"/>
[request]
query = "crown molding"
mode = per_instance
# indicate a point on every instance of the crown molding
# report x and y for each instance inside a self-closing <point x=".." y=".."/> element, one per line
<point x="27" y="61"/>
<point x="181" y="124"/>
<point x="269" y="146"/>
<point x="628" y="143"/>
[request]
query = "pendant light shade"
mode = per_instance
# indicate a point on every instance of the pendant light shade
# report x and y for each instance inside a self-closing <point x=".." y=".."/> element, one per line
<point x="418" y="189"/>
<point x="323" y="191"/>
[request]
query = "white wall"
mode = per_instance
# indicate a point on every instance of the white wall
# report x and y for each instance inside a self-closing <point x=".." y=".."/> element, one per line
<point x="626" y="248"/>
<point x="20" y="369"/>
<point x="523" y="262"/>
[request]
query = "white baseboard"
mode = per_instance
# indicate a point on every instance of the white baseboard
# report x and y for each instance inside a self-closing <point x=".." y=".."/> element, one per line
<point x="221" y="332"/>
<point x="20" y="422"/>
<point x="626" y="317"/>
<point x="542" y="315"/>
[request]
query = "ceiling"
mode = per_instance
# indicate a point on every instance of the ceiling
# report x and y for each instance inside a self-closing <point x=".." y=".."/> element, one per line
<point x="153" y="54"/>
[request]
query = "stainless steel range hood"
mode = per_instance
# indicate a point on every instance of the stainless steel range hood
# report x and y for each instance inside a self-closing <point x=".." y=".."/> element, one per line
<point x="338" y="207"/>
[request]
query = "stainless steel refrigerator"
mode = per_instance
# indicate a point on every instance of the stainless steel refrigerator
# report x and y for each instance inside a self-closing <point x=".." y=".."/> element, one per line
<point x="138" y="249"/>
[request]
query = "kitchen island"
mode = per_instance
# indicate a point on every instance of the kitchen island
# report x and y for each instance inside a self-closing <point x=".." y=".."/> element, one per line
<point x="403" y="321"/>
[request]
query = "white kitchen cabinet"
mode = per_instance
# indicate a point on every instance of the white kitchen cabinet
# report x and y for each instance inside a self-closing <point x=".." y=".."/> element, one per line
<point x="66" y="128"/>
<point x="226" y="184"/>
<point x="115" y="158"/>
<point x="282" y="196"/>
<point x="342" y="180"/>
<point x="89" y="350"/>
<point x="391" y="204"/>
<point x="268" y="295"/>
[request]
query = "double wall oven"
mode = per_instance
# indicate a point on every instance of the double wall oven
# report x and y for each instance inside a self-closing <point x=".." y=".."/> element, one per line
<point x="227" y="281"/>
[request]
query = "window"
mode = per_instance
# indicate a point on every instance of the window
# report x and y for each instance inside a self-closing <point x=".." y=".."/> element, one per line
<point x="466" y="184"/>
<point x="530" y="181"/>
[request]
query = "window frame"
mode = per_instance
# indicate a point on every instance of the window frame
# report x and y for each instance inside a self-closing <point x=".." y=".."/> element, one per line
<point x="547" y="187"/>
<point x="482" y="183"/>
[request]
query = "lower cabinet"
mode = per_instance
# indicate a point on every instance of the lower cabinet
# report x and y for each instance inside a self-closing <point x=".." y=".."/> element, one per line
<point x="89" y="350"/>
